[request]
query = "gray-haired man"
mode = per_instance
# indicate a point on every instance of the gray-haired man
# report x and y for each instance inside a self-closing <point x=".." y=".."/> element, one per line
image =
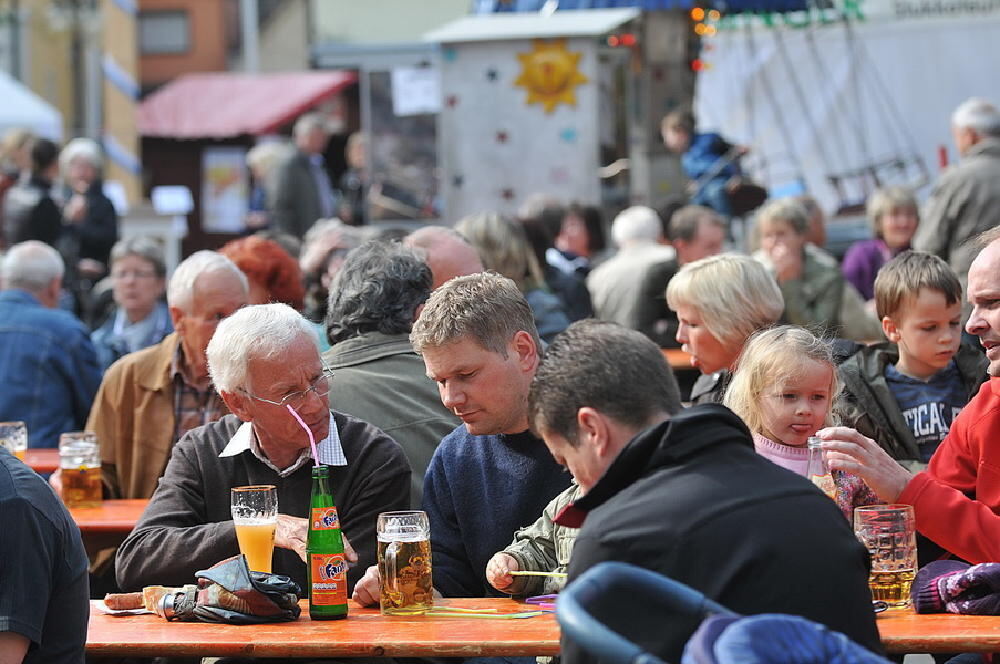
<point x="374" y="300"/>
<point x="47" y="364"/>
<point x="265" y="365"/>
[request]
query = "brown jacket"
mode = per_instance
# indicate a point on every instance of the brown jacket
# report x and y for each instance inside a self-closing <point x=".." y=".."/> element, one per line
<point x="133" y="417"/>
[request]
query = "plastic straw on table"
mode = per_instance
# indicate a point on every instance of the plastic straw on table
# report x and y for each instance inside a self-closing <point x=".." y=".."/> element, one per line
<point x="561" y="575"/>
<point x="449" y="613"/>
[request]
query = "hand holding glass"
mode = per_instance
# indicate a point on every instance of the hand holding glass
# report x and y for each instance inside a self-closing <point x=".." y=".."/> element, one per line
<point x="255" y="515"/>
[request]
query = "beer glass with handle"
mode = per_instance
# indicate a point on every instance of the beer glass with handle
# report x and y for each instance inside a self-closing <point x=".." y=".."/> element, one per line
<point x="80" y="466"/>
<point x="255" y="515"/>
<point x="404" y="563"/>
<point x="14" y="436"/>
<point x="890" y="535"/>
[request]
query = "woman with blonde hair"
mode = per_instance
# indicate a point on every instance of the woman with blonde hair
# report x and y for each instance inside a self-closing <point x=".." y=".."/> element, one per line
<point x="503" y="247"/>
<point x="720" y="301"/>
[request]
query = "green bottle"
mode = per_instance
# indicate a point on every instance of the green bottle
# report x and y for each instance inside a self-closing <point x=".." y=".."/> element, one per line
<point x="325" y="552"/>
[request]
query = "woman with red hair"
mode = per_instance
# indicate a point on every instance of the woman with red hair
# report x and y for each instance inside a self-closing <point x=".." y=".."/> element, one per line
<point x="273" y="274"/>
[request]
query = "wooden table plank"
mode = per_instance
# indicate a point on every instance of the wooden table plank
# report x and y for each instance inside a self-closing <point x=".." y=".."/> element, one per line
<point x="42" y="460"/>
<point x="113" y="516"/>
<point x="365" y="633"/>
<point x="908" y="632"/>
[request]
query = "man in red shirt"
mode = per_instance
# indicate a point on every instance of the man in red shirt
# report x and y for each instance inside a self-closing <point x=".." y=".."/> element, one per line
<point x="957" y="499"/>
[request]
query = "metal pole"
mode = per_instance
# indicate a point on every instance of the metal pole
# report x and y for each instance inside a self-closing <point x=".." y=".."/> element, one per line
<point x="251" y="36"/>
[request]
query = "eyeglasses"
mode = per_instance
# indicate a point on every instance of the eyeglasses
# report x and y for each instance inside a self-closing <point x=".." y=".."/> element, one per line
<point x="321" y="386"/>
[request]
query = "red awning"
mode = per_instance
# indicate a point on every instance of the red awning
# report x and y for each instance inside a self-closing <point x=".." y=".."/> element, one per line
<point x="223" y="105"/>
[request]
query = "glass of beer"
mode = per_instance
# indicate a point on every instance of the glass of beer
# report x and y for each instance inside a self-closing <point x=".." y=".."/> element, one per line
<point x="404" y="563"/>
<point x="80" y="468"/>
<point x="890" y="535"/>
<point x="14" y="436"/>
<point x="255" y="514"/>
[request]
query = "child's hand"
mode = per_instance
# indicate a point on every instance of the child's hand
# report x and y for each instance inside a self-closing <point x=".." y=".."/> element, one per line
<point x="498" y="570"/>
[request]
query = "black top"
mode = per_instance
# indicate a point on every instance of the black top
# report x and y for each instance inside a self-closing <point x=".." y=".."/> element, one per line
<point x="44" y="591"/>
<point x="29" y="213"/>
<point x="691" y="499"/>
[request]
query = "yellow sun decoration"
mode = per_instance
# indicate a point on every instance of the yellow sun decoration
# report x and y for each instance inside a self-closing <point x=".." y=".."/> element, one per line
<point x="550" y="74"/>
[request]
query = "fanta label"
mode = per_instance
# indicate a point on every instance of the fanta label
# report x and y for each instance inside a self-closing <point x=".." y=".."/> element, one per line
<point x="328" y="579"/>
<point x="325" y="518"/>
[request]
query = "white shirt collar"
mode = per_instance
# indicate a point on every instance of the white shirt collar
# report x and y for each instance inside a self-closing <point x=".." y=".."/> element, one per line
<point x="331" y="452"/>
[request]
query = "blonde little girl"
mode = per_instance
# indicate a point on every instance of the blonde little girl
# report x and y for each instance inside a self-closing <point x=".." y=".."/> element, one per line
<point x="784" y="388"/>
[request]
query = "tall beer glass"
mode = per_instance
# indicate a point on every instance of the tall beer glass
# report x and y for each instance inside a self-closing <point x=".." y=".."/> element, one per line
<point x="255" y="514"/>
<point x="890" y="535"/>
<point x="404" y="563"/>
<point x="80" y="466"/>
<point x="14" y="436"/>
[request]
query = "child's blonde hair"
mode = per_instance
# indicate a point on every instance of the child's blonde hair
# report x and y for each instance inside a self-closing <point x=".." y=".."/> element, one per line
<point x="774" y="357"/>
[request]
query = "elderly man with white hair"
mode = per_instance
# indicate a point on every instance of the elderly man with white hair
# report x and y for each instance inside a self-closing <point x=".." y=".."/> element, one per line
<point x="300" y="191"/>
<point x="966" y="200"/>
<point x="616" y="284"/>
<point x="48" y="366"/>
<point x="89" y="217"/>
<point x="266" y="367"/>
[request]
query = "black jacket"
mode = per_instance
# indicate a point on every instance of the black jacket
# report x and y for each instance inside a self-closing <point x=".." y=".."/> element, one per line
<point x="868" y="404"/>
<point x="29" y="213"/>
<point x="691" y="499"/>
<point x="98" y="232"/>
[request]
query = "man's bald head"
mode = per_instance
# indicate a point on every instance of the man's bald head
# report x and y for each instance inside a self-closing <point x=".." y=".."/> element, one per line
<point x="445" y="251"/>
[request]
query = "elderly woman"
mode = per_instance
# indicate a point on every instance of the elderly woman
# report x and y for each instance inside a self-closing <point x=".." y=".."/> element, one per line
<point x="273" y="274"/>
<point x="141" y="317"/>
<point x="91" y="222"/>
<point x="894" y="218"/>
<point x="720" y="301"/>
<point x="813" y="290"/>
<point x="504" y="248"/>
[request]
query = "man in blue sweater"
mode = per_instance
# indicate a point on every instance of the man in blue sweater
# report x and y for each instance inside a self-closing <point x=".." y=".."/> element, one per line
<point x="490" y="476"/>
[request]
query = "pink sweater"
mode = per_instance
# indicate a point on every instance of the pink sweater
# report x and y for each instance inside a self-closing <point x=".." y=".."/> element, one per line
<point x="851" y="490"/>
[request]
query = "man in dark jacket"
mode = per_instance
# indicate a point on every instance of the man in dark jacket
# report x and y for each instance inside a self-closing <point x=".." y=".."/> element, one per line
<point x="300" y="191"/>
<point x="689" y="498"/>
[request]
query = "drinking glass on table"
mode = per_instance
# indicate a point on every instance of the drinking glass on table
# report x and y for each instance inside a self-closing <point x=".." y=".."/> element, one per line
<point x="80" y="469"/>
<point x="255" y="514"/>
<point x="404" y="562"/>
<point x="890" y="535"/>
<point x="14" y="436"/>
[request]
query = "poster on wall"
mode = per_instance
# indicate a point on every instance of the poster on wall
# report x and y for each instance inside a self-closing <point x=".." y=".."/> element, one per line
<point x="223" y="189"/>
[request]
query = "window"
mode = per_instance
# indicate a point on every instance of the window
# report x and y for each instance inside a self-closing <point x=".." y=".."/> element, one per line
<point x="163" y="33"/>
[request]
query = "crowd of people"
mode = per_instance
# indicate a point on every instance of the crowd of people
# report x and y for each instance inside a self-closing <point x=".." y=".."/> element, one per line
<point x="463" y="371"/>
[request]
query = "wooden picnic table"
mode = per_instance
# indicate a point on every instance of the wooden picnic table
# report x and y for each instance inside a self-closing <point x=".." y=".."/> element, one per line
<point x="42" y="460"/>
<point x="365" y="633"/>
<point x="909" y="632"/>
<point x="107" y="526"/>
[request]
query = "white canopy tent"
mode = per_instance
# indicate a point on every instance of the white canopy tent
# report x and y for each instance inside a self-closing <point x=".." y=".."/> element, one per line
<point x="821" y="103"/>
<point x="22" y="108"/>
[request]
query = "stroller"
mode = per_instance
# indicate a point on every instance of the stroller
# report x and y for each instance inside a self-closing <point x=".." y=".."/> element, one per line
<point x="720" y="636"/>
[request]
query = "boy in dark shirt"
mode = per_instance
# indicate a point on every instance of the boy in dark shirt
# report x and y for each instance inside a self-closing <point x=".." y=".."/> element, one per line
<point x="905" y="393"/>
